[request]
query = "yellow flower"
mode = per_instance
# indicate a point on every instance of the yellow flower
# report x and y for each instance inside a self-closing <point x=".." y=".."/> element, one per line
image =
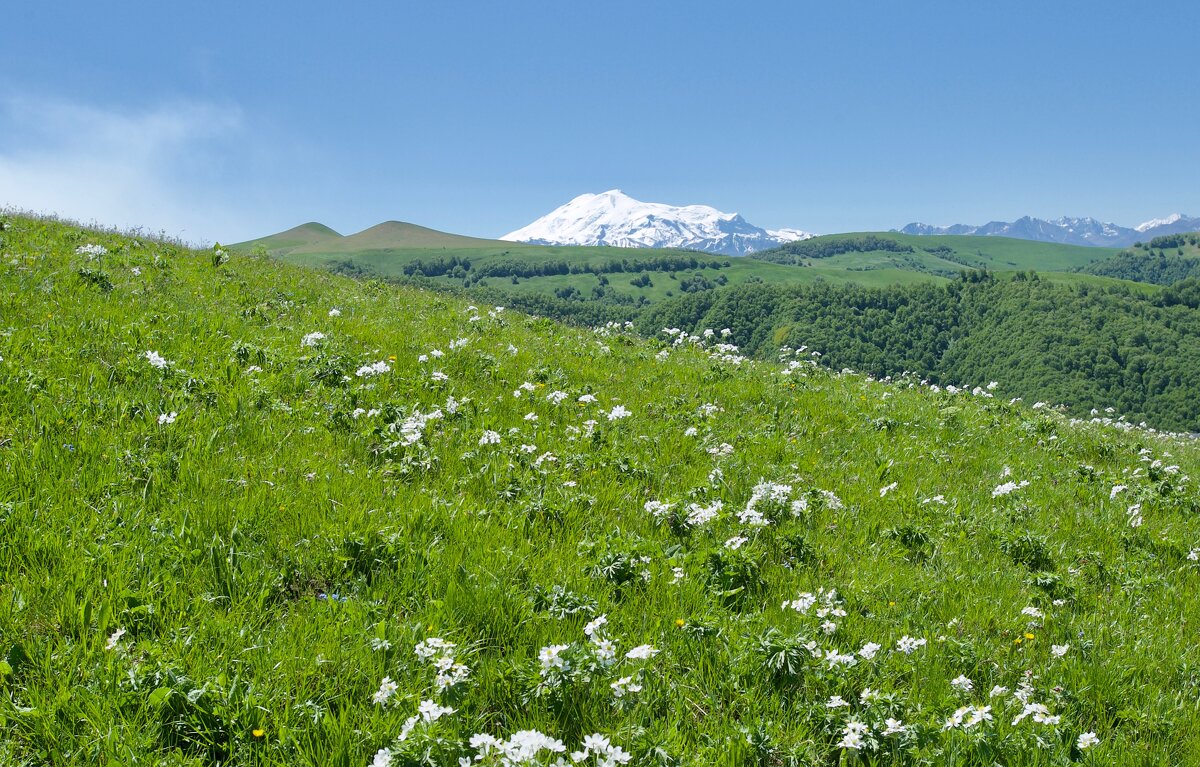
<point x="258" y="732"/>
<point x="1028" y="635"/>
<point x="679" y="622"/>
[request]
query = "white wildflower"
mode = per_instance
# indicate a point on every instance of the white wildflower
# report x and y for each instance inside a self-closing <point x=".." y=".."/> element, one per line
<point x="387" y="688"/>
<point x="642" y="652"/>
<point x="156" y="360"/>
<point x="624" y="685"/>
<point x="962" y="684"/>
<point x="551" y="657"/>
<point x="894" y="727"/>
<point x="595" y="625"/>
<point x="908" y="645"/>
<point x="618" y="412"/>
<point x="114" y="639"/>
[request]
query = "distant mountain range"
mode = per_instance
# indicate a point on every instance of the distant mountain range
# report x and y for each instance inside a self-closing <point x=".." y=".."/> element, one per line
<point x="1069" y="231"/>
<point x="615" y="218"/>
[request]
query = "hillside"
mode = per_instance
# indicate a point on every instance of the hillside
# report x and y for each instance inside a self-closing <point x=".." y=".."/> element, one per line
<point x="253" y="514"/>
<point x="1162" y="261"/>
<point x="944" y="255"/>
<point x="1082" y="346"/>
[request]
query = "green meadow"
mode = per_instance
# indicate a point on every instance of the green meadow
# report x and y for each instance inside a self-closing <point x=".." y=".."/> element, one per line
<point x="255" y="513"/>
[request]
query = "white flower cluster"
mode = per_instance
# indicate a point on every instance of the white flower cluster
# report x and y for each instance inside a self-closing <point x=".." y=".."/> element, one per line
<point x="1009" y="487"/>
<point x="768" y="500"/>
<point x="428" y="712"/>
<point x="91" y="251"/>
<point x="374" y="369"/>
<point x="440" y="654"/>
<point x="412" y="428"/>
<point x="527" y="746"/>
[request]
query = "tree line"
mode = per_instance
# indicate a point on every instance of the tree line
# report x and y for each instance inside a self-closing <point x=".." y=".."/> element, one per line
<point x="461" y="267"/>
<point x="797" y="252"/>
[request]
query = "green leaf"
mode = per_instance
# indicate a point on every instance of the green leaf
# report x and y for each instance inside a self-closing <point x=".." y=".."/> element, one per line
<point x="159" y="696"/>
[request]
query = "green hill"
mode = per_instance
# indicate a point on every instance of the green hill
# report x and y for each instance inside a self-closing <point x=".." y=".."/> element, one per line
<point x="239" y="527"/>
<point x="303" y="236"/>
<point x="1162" y="261"/>
<point x="938" y="254"/>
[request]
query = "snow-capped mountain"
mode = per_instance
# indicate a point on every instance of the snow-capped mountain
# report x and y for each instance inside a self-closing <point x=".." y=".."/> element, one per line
<point x="1070" y="231"/>
<point x="615" y="218"/>
<point x="1159" y="223"/>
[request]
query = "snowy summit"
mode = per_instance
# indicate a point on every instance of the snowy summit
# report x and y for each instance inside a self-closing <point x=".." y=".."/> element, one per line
<point x="1156" y="223"/>
<point x="615" y="218"/>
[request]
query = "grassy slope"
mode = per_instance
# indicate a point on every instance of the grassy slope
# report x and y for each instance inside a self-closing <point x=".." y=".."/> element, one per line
<point x="386" y="249"/>
<point x="252" y="549"/>
<point x="994" y="253"/>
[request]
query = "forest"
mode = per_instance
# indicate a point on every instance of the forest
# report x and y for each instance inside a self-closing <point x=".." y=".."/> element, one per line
<point x="1078" y="346"/>
<point x="797" y="252"/>
<point x="462" y="267"/>
<point x="1162" y="261"/>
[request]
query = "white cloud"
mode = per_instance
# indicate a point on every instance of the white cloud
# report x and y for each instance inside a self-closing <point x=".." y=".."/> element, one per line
<point x="159" y="169"/>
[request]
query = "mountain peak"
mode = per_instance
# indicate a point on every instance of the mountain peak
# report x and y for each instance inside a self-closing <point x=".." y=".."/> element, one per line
<point x="1154" y="223"/>
<point x="615" y="218"/>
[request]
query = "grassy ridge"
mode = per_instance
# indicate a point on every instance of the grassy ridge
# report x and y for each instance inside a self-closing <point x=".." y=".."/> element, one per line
<point x="223" y="538"/>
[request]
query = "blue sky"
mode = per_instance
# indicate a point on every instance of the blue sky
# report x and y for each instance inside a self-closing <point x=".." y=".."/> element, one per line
<point x="223" y="121"/>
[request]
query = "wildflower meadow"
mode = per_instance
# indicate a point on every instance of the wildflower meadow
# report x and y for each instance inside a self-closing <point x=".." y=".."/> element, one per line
<point x="258" y="514"/>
